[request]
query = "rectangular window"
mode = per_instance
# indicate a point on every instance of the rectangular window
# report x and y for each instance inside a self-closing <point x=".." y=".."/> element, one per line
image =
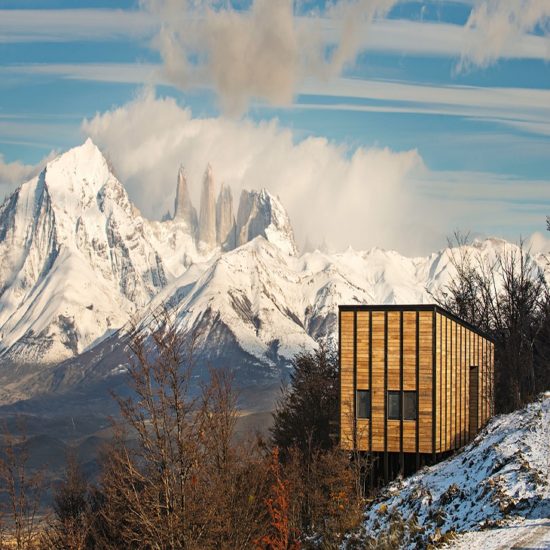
<point x="363" y="403"/>
<point x="409" y="405"/>
<point x="394" y="405"/>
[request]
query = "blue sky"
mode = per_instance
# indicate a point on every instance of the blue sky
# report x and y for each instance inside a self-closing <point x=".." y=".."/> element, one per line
<point x="464" y="84"/>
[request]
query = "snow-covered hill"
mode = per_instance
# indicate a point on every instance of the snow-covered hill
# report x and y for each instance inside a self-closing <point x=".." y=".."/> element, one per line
<point x="500" y="480"/>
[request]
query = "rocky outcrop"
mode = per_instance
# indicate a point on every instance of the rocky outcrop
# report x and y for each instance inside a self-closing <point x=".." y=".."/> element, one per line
<point x="225" y="219"/>
<point x="261" y="214"/>
<point x="183" y="208"/>
<point x="207" y="217"/>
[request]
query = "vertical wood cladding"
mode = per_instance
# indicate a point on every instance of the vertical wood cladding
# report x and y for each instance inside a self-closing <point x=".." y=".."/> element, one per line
<point x="362" y="379"/>
<point x="420" y="349"/>
<point x="346" y="379"/>
<point x="377" y="393"/>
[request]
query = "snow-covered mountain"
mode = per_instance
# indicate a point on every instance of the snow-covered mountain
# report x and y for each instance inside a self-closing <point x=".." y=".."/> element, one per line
<point x="78" y="261"/>
<point x="75" y="260"/>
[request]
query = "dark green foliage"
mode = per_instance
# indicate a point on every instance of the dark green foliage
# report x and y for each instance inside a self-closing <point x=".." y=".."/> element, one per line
<point x="305" y="415"/>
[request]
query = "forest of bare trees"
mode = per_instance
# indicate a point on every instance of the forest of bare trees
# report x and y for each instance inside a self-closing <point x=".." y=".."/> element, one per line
<point x="505" y="295"/>
<point x="176" y="476"/>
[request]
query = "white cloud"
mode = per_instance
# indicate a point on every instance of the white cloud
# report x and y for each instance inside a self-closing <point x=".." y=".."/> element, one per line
<point x="526" y="109"/>
<point x="52" y="25"/>
<point x="266" y="52"/>
<point x="260" y="53"/>
<point x="522" y="108"/>
<point x="348" y="197"/>
<point x="122" y="73"/>
<point x="14" y="173"/>
<point x="539" y="243"/>
<point x="500" y="23"/>
<point x="362" y="197"/>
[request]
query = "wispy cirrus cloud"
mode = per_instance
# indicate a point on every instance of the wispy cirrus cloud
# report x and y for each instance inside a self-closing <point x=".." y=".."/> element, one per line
<point x="501" y="23"/>
<point x="267" y="51"/>
<point x="384" y="35"/>
<point x="522" y="108"/>
<point x="69" y="25"/>
<point x="120" y="73"/>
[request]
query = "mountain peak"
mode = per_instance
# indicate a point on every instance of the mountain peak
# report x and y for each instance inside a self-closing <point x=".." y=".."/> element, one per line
<point x="207" y="216"/>
<point x="81" y="170"/>
<point x="262" y="214"/>
<point x="183" y="208"/>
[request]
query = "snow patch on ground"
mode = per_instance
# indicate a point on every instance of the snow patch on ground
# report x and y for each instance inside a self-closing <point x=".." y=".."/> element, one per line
<point x="521" y="533"/>
<point x="497" y="481"/>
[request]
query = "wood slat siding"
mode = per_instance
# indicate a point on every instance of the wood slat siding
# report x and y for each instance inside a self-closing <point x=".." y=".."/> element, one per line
<point x="346" y="379"/>
<point x="425" y="383"/>
<point x="449" y="361"/>
<point x="439" y="378"/>
<point x="394" y="378"/>
<point x="363" y="382"/>
<point x="386" y="357"/>
<point x="378" y="408"/>
<point x="483" y="379"/>
<point x="459" y="349"/>
<point x="409" y="375"/>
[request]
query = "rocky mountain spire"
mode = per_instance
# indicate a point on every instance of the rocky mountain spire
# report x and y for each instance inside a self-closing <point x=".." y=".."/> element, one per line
<point x="261" y="214"/>
<point x="183" y="208"/>
<point x="225" y="219"/>
<point x="207" y="217"/>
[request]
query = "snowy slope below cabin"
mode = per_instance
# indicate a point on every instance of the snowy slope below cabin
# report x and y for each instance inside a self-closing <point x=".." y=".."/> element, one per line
<point x="500" y="480"/>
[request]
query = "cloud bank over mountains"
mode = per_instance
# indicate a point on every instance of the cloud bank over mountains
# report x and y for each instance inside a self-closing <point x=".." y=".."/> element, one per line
<point x="14" y="173"/>
<point x="277" y="52"/>
<point x="334" y="194"/>
<point x="330" y="192"/>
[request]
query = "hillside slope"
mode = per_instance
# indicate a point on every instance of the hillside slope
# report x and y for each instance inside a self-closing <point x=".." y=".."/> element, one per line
<point x="500" y="480"/>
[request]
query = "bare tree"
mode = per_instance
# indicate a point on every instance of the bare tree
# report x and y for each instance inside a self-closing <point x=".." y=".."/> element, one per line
<point x="506" y="296"/>
<point x="70" y="527"/>
<point x="20" y="491"/>
<point x="175" y="477"/>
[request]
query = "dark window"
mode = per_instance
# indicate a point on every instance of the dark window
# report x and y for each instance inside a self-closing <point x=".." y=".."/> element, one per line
<point x="409" y="405"/>
<point x="394" y="405"/>
<point x="363" y="404"/>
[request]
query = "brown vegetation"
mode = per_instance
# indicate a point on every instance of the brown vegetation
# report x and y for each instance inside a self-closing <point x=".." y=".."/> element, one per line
<point x="176" y="477"/>
<point x="507" y="297"/>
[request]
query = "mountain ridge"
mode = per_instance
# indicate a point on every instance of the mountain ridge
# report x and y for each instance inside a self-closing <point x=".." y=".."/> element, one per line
<point x="78" y="258"/>
<point x="78" y="263"/>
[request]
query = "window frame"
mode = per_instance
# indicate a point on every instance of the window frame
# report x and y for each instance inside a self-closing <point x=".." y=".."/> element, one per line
<point x="399" y="403"/>
<point x="369" y="404"/>
<point x="415" y="394"/>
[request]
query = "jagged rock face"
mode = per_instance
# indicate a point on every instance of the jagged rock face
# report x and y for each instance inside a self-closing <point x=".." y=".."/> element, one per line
<point x="225" y="219"/>
<point x="183" y="208"/>
<point x="261" y="214"/>
<point x="207" y="218"/>
<point x="77" y="259"/>
<point x="74" y="259"/>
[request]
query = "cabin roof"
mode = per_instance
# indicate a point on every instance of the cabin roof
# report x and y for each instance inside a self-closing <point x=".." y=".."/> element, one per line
<point x="416" y="307"/>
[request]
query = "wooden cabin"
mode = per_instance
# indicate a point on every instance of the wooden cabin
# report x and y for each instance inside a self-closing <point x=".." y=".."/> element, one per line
<point x="416" y="382"/>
